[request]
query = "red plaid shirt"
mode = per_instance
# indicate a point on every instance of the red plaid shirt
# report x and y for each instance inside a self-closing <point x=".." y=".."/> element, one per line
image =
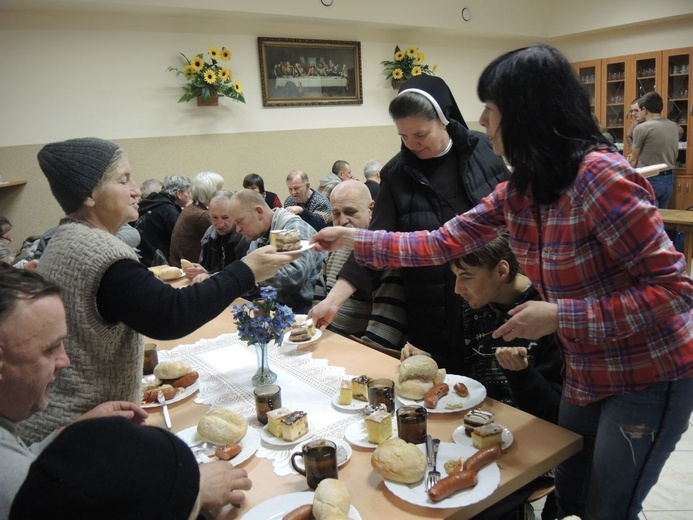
<point x="600" y="252"/>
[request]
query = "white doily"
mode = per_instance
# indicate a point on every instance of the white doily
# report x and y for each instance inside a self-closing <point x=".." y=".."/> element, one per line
<point x="226" y="365"/>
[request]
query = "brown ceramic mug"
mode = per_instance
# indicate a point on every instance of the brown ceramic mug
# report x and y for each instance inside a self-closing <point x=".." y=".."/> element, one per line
<point x="267" y="398"/>
<point x="382" y="391"/>
<point x="319" y="461"/>
<point x="151" y="358"/>
<point x="411" y="424"/>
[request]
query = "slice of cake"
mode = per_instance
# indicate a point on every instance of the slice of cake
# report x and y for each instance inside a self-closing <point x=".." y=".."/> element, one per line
<point x="294" y="426"/>
<point x="360" y="388"/>
<point x="285" y="239"/>
<point x="476" y="418"/>
<point x="487" y="435"/>
<point x="302" y="331"/>
<point x="274" y="421"/>
<point x="378" y="426"/>
<point x="346" y="392"/>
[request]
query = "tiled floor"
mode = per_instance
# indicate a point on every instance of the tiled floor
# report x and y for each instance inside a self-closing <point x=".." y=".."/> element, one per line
<point x="672" y="496"/>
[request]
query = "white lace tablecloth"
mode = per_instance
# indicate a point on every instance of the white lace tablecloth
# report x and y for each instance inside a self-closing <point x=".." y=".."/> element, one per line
<point x="226" y="366"/>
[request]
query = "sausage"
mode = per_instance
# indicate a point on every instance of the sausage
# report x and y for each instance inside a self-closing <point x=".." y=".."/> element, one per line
<point x="461" y="389"/>
<point x="152" y="395"/>
<point x="482" y="457"/>
<point x="184" y="381"/>
<point x="434" y="394"/>
<point x="228" y="451"/>
<point x="452" y="484"/>
<point x="300" y="513"/>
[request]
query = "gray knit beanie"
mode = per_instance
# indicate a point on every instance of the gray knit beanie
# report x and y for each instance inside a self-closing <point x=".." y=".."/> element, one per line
<point x="74" y="168"/>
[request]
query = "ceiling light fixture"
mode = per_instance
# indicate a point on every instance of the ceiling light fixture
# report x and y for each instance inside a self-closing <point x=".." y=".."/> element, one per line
<point x="466" y="14"/>
<point x="327" y="3"/>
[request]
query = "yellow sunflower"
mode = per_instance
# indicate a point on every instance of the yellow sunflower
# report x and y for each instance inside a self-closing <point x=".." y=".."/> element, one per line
<point x="416" y="71"/>
<point x="210" y="76"/>
<point x="188" y="71"/>
<point x="420" y="58"/>
<point x="213" y="53"/>
<point x="412" y="52"/>
<point x="224" y="74"/>
<point x="397" y="74"/>
<point x="237" y="87"/>
<point x="399" y="55"/>
<point x="197" y="63"/>
<point x="225" y="54"/>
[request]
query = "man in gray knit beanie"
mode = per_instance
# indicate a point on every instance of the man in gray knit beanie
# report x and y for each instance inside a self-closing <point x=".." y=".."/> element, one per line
<point x="74" y="168"/>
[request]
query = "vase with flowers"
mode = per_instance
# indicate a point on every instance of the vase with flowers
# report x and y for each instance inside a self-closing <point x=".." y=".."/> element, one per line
<point x="406" y="65"/>
<point x="260" y="322"/>
<point x="207" y="80"/>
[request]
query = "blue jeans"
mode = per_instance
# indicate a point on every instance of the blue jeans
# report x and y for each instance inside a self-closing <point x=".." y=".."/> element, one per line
<point x="627" y="439"/>
<point x="663" y="186"/>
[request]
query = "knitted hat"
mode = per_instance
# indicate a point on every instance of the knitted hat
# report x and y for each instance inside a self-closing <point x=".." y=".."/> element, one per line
<point x="74" y="168"/>
<point x="110" y="468"/>
<point x="438" y="93"/>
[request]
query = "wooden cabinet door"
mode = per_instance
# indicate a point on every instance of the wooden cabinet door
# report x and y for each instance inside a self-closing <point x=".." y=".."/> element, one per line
<point x="613" y="114"/>
<point x="682" y="197"/>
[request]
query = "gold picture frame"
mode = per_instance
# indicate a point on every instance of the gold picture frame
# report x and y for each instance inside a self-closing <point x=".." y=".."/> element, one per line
<point x="297" y="72"/>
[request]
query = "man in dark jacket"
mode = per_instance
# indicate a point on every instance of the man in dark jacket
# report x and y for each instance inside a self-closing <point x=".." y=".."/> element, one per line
<point x="221" y="243"/>
<point x="158" y="215"/>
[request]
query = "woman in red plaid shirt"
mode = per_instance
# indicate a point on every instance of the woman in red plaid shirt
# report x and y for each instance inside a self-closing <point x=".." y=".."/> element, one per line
<point x="586" y="231"/>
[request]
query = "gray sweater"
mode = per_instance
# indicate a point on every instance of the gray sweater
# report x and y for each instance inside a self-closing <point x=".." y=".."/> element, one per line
<point x="15" y="459"/>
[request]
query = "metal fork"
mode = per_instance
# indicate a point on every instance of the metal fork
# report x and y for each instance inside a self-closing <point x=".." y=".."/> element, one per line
<point x="434" y="474"/>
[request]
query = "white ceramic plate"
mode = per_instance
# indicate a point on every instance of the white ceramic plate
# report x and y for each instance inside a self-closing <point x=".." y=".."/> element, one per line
<point x="460" y="437"/>
<point x="266" y="436"/>
<point x="489" y="478"/>
<point x="276" y="508"/>
<point x="315" y="337"/>
<point x="344" y="452"/>
<point x="249" y="445"/>
<point x="187" y="392"/>
<point x="354" y="406"/>
<point x="477" y="393"/>
<point x="305" y="246"/>
<point x="357" y="435"/>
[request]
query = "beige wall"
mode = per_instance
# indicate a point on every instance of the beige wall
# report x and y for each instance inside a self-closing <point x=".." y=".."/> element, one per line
<point x="70" y="74"/>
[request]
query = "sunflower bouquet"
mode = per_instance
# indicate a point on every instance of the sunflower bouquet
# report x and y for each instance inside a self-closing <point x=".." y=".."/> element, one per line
<point x="405" y="65"/>
<point x="206" y="79"/>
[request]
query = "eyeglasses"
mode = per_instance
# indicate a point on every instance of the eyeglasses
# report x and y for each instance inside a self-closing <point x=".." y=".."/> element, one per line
<point x="3" y="237"/>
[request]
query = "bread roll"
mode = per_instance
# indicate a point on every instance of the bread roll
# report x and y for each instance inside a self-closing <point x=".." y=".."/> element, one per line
<point x="331" y="498"/>
<point x="413" y="388"/>
<point x="399" y="461"/>
<point x="172" y="369"/>
<point x="221" y="426"/>
<point x="184" y="264"/>
<point x="170" y="273"/>
<point x="418" y="367"/>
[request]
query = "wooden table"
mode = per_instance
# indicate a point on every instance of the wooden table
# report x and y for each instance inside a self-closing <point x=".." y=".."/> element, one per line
<point x="681" y="220"/>
<point x="538" y="446"/>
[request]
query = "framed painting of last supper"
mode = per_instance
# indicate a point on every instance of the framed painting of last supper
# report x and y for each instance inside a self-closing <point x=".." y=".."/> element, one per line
<point x="309" y="72"/>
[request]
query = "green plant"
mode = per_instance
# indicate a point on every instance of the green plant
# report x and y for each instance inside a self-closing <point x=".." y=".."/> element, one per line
<point x="206" y="79"/>
<point x="405" y="65"/>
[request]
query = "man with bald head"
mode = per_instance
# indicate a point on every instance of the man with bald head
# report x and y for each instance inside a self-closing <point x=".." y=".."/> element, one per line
<point x="307" y="203"/>
<point x="352" y="207"/>
<point x="254" y="219"/>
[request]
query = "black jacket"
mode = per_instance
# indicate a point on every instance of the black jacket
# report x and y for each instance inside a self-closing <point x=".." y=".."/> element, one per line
<point x="218" y="251"/>
<point x="158" y="216"/>
<point x="408" y="202"/>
